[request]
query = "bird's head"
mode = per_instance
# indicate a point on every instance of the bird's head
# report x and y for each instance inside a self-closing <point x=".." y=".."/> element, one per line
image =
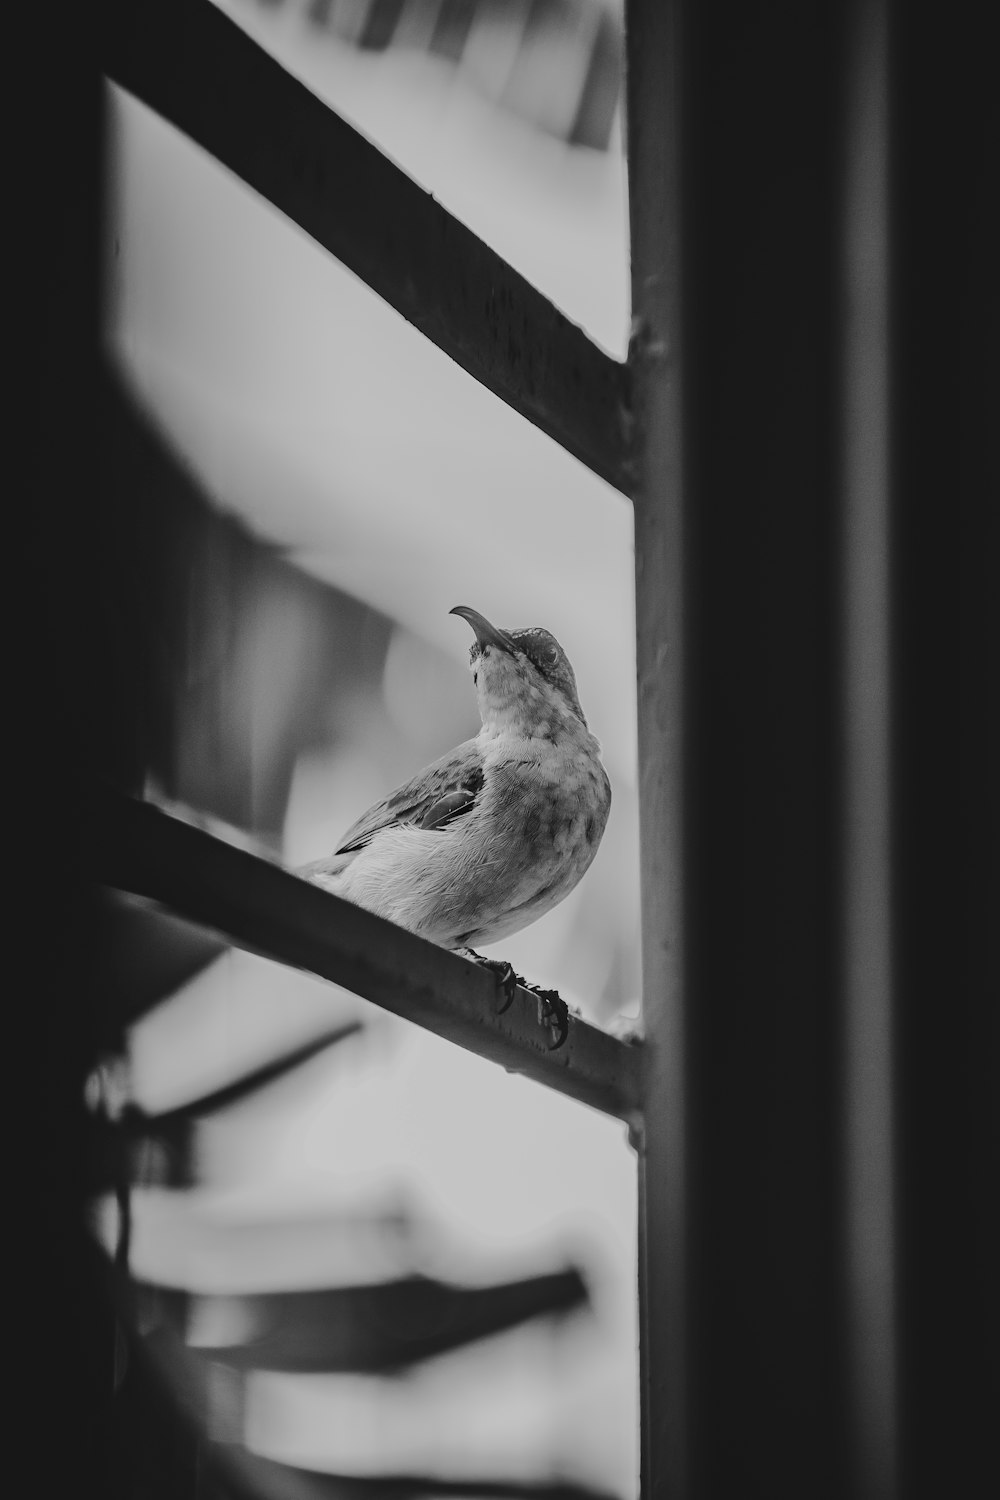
<point x="523" y="677"/>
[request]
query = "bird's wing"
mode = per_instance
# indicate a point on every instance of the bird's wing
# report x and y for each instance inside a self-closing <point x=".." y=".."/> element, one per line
<point x="440" y="793"/>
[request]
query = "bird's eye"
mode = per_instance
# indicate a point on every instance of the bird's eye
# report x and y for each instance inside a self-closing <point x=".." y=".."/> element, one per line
<point x="547" y="656"/>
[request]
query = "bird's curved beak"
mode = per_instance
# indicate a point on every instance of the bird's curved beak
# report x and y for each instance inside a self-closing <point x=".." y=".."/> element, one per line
<point x="486" y="634"/>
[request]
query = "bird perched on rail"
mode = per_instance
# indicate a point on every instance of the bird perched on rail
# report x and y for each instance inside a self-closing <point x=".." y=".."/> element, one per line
<point x="495" y="833"/>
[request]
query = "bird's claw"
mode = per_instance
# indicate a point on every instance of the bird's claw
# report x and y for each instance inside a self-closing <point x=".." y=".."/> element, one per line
<point x="508" y="984"/>
<point x="553" y="1014"/>
<point x="506" y="977"/>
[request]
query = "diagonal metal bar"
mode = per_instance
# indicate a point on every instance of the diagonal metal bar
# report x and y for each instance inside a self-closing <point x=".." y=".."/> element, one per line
<point x="178" y="1388"/>
<point x="242" y="1088"/>
<point x="198" y="70"/>
<point x="388" y="1326"/>
<point x="264" y="908"/>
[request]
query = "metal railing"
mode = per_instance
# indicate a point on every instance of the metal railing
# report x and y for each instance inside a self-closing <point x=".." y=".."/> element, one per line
<point x="253" y="902"/>
<point x="768" y="1230"/>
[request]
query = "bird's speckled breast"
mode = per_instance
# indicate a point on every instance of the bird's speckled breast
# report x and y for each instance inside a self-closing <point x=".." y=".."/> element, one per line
<point x="547" y="800"/>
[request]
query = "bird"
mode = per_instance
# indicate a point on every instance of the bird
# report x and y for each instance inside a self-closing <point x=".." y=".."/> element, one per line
<point x="495" y="833"/>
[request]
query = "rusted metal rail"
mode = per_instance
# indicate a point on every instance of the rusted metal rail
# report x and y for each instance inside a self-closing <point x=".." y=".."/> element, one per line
<point x="198" y="70"/>
<point x="266" y="909"/>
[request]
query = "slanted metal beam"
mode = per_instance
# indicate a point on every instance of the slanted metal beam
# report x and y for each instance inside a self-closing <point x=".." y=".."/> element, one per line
<point x="378" y="1328"/>
<point x="266" y="909"/>
<point x="198" y="70"/>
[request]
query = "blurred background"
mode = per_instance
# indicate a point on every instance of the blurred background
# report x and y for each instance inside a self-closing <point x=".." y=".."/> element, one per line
<point x="360" y="1255"/>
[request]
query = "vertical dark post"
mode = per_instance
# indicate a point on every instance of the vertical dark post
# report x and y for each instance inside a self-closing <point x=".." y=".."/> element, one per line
<point x="866" y="969"/>
<point x="655" y="366"/>
<point x="735" y="184"/>
<point x="654" y="156"/>
<point x="64" y="1368"/>
<point x="945" y="482"/>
